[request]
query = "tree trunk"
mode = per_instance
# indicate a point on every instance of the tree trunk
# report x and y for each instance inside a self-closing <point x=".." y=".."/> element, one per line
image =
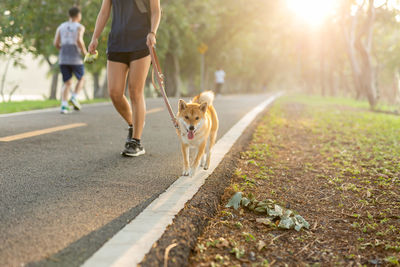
<point x="351" y="51"/>
<point x="332" y="82"/>
<point x="322" y="72"/>
<point x="396" y="87"/>
<point x="3" y="80"/>
<point x="104" y="88"/>
<point x="54" y="85"/>
<point x="368" y="77"/>
<point x="359" y="51"/>
<point x="172" y="74"/>
<point x="54" y="79"/>
<point x="96" y="85"/>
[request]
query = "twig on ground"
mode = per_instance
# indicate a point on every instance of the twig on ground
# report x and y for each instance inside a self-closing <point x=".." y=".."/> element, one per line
<point x="305" y="247"/>
<point x="167" y="252"/>
<point x="315" y="225"/>
<point x="276" y="237"/>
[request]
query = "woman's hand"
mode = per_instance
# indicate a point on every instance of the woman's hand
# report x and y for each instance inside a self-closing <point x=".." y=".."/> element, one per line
<point x="92" y="46"/>
<point x="151" y="39"/>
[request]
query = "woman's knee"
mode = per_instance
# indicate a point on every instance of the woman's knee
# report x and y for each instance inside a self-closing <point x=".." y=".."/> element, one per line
<point x="115" y="94"/>
<point x="136" y="94"/>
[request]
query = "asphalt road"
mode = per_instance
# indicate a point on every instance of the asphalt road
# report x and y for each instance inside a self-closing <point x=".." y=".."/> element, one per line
<point x="63" y="194"/>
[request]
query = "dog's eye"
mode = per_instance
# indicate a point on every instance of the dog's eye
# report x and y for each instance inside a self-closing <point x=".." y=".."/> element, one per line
<point x="187" y="117"/>
<point x="197" y="118"/>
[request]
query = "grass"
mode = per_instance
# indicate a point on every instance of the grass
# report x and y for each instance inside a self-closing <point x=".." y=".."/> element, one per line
<point x="333" y="161"/>
<point x="314" y="100"/>
<point x="11" y="107"/>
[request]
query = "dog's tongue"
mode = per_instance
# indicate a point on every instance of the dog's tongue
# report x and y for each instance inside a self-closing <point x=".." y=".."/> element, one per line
<point x="190" y="135"/>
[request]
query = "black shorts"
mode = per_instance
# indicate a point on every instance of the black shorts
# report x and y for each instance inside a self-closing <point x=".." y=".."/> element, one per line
<point x="127" y="57"/>
<point x="68" y="70"/>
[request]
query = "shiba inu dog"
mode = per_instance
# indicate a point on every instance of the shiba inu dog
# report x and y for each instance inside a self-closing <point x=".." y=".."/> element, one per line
<point x="198" y="126"/>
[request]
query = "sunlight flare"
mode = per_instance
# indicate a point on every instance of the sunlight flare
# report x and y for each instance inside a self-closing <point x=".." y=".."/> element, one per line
<point x="313" y="12"/>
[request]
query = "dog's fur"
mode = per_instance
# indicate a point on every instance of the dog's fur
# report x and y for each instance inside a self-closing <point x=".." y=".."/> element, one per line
<point x="198" y="125"/>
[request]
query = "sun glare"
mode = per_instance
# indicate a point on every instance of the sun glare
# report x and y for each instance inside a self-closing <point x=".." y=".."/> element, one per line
<point x="313" y="12"/>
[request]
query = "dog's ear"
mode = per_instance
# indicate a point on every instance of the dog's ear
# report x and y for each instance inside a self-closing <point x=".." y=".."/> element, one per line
<point x="203" y="107"/>
<point x="182" y="105"/>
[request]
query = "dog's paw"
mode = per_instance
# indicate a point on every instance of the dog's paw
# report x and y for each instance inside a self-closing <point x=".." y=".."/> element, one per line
<point x="192" y="172"/>
<point x="186" y="173"/>
<point x="203" y="161"/>
<point x="205" y="167"/>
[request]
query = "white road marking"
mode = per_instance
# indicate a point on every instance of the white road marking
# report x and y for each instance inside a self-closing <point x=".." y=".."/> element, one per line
<point x="54" y="129"/>
<point x="129" y="246"/>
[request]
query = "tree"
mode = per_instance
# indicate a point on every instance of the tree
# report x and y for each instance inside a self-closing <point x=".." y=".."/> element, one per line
<point x="358" y="33"/>
<point x="35" y="23"/>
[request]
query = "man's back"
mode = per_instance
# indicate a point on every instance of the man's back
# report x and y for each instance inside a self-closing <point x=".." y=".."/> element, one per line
<point x="220" y="76"/>
<point x="70" y="54"/>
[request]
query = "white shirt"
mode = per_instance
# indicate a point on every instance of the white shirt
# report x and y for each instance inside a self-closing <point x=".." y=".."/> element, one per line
<point x="220" y="76"/>
<point x="70" y="53"/>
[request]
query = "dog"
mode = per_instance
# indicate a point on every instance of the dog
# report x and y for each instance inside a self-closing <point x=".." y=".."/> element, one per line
<point x="198" y="127"/>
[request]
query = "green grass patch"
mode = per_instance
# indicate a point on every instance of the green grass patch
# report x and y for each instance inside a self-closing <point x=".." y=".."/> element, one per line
<point x="314" y="100"/>
<point x="11" y="107"/>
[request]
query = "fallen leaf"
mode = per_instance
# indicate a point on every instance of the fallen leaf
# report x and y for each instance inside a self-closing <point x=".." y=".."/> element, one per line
<point x="265" y="221"/>
<point x="260" y="245"/>
<point x="223" y="243"/>
<point x="235" y="201"/>
<point x="286" y="223"/>
<point x="245" y="201"/>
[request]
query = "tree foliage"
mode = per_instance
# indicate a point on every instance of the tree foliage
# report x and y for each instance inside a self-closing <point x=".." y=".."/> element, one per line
<point x="259" y="43"/>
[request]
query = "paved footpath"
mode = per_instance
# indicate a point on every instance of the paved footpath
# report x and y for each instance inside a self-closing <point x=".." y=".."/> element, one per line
<point x="64" y="187"/>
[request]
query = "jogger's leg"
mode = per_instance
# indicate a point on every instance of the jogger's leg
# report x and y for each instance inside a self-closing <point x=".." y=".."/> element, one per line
<point x="79" y="85"/>
<point x="65" y="90"/>
<point x="138" y="71"/>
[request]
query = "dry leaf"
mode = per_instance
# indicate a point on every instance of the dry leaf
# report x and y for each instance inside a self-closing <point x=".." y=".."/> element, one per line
<point x="260" y="245"/>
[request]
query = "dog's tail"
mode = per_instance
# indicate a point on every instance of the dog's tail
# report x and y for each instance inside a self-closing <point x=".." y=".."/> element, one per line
<point x="207" y="96"/>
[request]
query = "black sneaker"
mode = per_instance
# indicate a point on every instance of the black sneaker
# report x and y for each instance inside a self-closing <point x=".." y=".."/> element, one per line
<point x="133" y="149"/>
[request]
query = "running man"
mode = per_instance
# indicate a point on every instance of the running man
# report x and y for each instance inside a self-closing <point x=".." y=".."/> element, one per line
<point x="219" y="80"/>
<point x="69" y="40"/>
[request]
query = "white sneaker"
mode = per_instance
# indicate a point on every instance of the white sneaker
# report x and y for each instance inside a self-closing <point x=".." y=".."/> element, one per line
<point x="64" y="110"/>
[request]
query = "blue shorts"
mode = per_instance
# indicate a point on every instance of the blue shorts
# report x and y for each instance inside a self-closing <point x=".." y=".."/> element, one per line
<point x="67" y="70"/>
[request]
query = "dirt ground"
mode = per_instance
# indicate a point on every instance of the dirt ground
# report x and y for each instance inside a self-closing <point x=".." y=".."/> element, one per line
<point x="337" y="166"/>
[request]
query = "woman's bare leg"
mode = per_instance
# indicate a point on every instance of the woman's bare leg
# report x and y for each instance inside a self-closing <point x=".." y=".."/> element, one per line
<point x="116" y="76"/>
<point x="138" y="71"/>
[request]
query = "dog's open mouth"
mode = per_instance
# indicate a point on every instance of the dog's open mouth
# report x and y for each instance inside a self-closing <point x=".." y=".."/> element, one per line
<point x="190" y="135"/>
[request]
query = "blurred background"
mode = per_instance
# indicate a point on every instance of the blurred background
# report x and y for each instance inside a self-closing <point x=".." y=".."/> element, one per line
<point x="347" y="48"/>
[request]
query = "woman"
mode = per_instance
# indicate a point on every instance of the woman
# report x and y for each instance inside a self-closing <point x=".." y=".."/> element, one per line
<point x="133" y="31"/>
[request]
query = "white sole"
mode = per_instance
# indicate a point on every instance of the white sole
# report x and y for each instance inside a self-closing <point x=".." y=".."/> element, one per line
<point x="134" y="155"/>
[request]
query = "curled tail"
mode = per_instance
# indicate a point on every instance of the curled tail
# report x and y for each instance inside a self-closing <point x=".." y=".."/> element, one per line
<point x="207" y="96"/>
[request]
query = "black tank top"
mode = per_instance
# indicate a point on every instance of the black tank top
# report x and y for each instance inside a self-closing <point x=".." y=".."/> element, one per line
<point x="129" y="27"/>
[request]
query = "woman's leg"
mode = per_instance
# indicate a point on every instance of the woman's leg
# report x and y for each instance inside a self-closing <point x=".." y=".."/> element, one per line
<point x="138" y="71"/>
<point x="116" y="76"/>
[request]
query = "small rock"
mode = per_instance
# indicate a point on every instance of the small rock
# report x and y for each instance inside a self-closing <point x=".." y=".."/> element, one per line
<point x="252" y="256"/>
<point x="375" y="261"/>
